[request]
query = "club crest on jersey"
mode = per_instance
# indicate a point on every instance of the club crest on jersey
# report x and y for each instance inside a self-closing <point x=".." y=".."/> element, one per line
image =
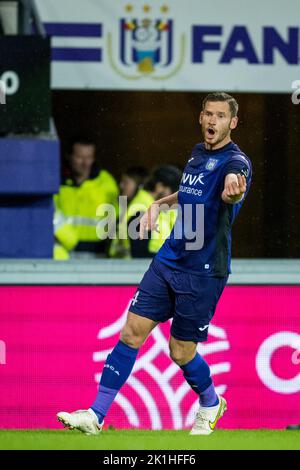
<point x="211" y="164"/>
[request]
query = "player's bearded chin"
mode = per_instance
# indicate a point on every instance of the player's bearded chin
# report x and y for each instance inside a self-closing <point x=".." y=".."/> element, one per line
<point x="221" y="134"/>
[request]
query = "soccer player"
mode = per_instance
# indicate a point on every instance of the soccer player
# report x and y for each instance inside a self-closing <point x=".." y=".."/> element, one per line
<point x="186" y="277"/>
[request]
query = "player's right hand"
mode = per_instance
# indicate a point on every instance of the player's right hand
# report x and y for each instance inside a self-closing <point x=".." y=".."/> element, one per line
<point x="234" y="189"/>
<point x="149" y="220"/>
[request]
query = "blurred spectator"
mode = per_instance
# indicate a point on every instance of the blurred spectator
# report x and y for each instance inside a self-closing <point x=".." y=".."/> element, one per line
<point x="132" y="181"/>
<point x="131" y="186"/>
<point x="162" y="182"/>
<point x="81" y="192"/>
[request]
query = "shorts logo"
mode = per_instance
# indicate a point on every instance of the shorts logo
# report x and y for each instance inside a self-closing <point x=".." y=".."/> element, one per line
<point x="211" y="164"/>
<point x="203" y="328"/>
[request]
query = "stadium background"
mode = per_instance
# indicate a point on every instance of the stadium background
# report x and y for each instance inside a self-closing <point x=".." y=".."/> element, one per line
<point x="51" y="315"/>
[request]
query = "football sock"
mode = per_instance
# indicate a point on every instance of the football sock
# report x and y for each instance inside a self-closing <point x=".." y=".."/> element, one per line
<point x="117" y="368"/>
<point x="197" y="374"/>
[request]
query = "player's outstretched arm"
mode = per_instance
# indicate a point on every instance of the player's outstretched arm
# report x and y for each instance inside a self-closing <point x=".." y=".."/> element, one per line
<point x="168" y="200"/>
<point x="148" y="220"/>
<point x="234" y="188"/>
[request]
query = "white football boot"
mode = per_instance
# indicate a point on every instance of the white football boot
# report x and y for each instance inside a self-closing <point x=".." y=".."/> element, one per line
<point x="84" y="420"/>
<point x="207" y="418"/>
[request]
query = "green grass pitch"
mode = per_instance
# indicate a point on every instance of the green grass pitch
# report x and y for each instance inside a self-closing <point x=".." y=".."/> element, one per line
<point x="149" y="440"/>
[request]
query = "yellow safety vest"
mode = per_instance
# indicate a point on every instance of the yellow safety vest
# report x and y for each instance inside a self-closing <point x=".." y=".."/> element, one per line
<point x="120" y="247"/>
<point x="75" y="216"/>
<point x="60" y="253"/>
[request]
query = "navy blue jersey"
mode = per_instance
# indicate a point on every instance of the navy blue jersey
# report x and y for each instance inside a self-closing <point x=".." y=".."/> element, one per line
<point x="200" y="242"/>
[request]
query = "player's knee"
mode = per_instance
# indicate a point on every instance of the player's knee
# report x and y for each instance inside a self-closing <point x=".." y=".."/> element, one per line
<point x="131" y="337"/>
<point x="180" y="356"/>
<point x="180" y="352"/>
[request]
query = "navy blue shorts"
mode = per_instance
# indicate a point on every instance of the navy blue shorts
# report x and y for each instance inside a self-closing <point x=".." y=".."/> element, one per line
<point x="187" y="298"/>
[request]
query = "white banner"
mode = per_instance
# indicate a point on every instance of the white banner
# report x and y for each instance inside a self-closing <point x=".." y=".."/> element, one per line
<point x="190" y="45"/>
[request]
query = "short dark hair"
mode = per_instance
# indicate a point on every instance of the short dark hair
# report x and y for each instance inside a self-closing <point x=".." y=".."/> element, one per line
<point x="81" y="140"/>
<point x="221" y="96"/>
<point x="168" y="175"/>
<point x="138" y="173"/>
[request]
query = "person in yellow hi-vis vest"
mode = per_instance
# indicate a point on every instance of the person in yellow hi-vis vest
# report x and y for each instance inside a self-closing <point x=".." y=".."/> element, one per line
<point x="76" y="203"/>
<point x="163" y="181"/>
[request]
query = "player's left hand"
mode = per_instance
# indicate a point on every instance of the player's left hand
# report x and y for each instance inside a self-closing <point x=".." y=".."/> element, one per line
<point x="149" y="220"/>
<point x="234" y="188"/>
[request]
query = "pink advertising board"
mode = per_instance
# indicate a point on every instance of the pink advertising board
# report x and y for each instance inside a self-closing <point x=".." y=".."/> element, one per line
<point x="54" y="341"/>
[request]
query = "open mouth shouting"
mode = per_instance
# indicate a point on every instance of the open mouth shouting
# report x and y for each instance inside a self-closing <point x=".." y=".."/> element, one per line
<point x="210" y="133"/>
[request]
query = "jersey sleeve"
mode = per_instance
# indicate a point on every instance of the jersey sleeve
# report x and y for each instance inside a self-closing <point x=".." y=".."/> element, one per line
<point x="239" y="164"/>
